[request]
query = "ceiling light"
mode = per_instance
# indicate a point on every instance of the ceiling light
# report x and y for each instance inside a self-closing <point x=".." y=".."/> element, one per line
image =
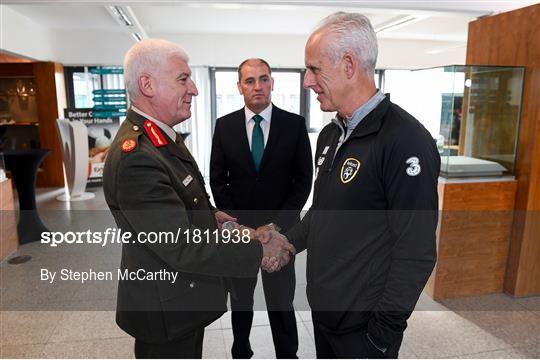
<point x="228" y="6"/>
<point x="397" y="22"/>
<point x="442" y="49"/>
<point x="120" y="16"/>
<point x="125" y="16"/>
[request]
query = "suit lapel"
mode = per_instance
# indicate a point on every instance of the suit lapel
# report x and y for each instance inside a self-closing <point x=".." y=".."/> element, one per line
<point x="276" y="128"/>
<point x="243" y="143"/>
<point x="276" y="125"/>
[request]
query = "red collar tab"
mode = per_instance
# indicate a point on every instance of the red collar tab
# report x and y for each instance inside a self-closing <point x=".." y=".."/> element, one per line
<point x="155" y="134"/>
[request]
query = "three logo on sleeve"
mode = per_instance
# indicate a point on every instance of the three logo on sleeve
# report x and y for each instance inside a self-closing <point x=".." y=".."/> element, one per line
<point x="349" y="169"/>
<point x="414" y="166"/>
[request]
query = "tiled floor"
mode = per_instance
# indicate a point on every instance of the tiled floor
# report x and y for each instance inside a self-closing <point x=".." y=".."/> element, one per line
<point x="77" y="321"/>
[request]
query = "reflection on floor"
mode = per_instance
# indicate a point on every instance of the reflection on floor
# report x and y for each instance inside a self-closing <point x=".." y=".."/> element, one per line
<point x="74" y="320"/>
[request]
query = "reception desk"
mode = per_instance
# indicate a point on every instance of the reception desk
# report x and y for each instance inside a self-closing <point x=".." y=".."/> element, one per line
<point x="9" y="239"/>
<point x="473" y="236"/>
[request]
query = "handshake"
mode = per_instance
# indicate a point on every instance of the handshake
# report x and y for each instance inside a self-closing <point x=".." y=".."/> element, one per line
<point x="277" y="250"/>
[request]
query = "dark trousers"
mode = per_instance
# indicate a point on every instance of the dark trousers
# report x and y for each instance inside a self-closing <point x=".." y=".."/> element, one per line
<point x="348" y="345"/>
<point x="187" y="347"/>
<point x="279" y="295"/>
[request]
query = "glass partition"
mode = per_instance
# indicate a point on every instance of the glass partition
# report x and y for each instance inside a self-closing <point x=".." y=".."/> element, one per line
<point x="473" y="112"/>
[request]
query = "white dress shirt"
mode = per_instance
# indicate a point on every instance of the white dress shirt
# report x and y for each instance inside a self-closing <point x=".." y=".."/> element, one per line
<point x="166" y="128"/>
<point x="266" y="114"/>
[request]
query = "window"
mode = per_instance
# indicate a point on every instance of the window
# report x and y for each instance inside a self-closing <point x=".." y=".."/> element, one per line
<point x="288" y="92"/>
<point x="404" y="86"/>
<point x="80" y="83"/>
<point x="83" y="85"/>
<point x="287" y="89"/>
<point x="227" y="98"/>
<point x="317" y="119"/>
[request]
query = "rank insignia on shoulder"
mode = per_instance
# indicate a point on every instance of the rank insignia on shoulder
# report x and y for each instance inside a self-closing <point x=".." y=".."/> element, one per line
<point x="128" y="145"/>
<point x="154" y="134"/>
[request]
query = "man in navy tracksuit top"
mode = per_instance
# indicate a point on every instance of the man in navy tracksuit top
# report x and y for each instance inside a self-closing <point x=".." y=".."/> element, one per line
<point x="370" y="233"/>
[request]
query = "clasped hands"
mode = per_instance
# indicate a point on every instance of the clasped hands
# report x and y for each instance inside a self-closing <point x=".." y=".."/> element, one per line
<point x="277" y="250"/>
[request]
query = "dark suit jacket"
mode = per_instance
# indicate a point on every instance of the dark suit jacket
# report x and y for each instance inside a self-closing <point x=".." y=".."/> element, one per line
<point x="280" y="189"/>
<point x="147" y="189"/>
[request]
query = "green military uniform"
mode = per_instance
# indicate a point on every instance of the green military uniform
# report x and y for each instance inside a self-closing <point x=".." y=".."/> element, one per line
<point x="153" y="184"/>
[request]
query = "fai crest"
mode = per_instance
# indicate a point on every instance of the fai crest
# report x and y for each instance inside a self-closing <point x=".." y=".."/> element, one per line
<point x="349" y="170"/>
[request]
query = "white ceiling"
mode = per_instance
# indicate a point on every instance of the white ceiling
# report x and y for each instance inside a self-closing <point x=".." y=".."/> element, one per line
<point x="212" y="29"/>
<point x="442" y="20"/>
<point x="68" y="17"/>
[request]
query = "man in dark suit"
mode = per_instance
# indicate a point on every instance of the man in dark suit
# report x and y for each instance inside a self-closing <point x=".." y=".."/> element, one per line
<point x="260" y="171"/>
<point x="152" y="185"/>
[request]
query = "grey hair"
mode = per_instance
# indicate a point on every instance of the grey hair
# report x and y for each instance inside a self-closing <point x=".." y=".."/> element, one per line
<point x="148" y="56"/>
<point x="353" y="33"/>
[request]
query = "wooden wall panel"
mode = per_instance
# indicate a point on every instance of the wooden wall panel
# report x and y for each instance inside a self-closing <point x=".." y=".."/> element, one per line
<point x="505" y="39"/>
<point x="16" y="69"/>
<point x="523" y="274"/>
<point x="9" y="58"/>
<point x="472" y="239"/>
<point x="530" y="275"/>
<point x="9" y="240"/>
<point x="53" y="175"/>
<point x="479" y="196"/>
<point x="51" y="99"/>
<point x="513" y="39"/>
<point x="61" y="97"/>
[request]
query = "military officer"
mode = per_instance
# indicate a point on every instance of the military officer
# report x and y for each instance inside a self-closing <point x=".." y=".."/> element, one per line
<point x="152" y="184"/>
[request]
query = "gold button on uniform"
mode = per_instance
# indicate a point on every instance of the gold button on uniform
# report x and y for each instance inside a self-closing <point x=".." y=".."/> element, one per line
<point x="135" y="128"/>
<point x="195" y="200"/>
<point x="192" y="285"/>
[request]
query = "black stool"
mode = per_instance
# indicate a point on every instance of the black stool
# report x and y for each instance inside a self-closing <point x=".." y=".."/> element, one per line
<point x="24" y="165"/>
